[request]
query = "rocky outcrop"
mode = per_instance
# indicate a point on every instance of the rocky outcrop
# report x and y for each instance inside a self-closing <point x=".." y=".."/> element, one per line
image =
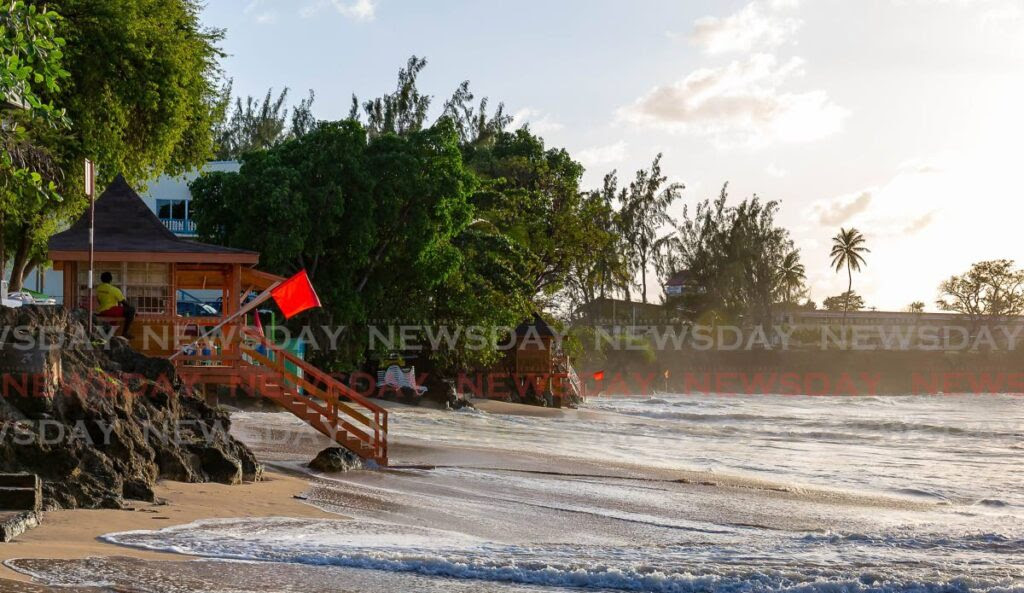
<point x="335" y="459"/>
<point x="100" y="423"/>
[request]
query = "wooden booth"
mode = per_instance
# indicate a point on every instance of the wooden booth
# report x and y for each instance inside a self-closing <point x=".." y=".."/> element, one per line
<point x="151" y="265"/>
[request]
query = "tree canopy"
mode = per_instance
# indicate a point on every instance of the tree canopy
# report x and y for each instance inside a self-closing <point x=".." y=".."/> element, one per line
<point x="141" y="95"/>
<point x="992" y="287"/>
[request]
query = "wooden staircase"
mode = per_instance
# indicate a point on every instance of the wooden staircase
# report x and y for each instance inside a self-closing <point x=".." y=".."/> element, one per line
<point x="265" y="369"/>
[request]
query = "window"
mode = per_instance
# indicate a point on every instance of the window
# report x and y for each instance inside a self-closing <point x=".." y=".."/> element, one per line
<point x="146" y="285"/>
<point x="172" y="209"/>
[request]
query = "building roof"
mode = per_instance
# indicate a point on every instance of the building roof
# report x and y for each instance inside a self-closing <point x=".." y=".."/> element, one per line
<point x="679" y="278"/>
<point x="125" y="225"/>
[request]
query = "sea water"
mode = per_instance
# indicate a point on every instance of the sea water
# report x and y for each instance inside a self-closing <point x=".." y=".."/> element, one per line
<point x="673" y="493"/>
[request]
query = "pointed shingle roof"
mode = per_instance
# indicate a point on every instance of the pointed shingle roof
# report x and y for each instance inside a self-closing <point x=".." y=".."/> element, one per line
<point x="124" y="224"/>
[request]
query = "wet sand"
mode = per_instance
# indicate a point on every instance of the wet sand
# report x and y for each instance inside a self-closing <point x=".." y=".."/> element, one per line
<point x="73" y="534"/>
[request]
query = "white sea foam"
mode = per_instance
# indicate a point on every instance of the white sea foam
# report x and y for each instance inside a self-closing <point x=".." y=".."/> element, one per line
<point x="377" y="546"/>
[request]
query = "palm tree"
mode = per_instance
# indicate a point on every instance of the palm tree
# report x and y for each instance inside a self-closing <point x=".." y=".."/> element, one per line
<point x="847" y="250"/>
<point x="791" y="274"/>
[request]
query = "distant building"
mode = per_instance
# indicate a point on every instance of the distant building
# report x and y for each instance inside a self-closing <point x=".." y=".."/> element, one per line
<point x="605" y="311"/>
<point x="170" y="199"/>
<point x="677" y="283"/>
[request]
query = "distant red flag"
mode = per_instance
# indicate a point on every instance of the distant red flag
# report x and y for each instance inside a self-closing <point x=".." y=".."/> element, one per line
<point x="599" y="376"/>
<point x="295" y="295"/>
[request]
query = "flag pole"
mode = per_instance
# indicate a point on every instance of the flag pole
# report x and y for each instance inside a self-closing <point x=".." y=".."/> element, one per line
<point x="90" y="190"/>
<point x="264" y="296"/>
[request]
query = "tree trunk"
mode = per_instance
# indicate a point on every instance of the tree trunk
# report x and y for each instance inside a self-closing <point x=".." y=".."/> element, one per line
<point x="20" y="258"/>
<point x="846" y="301"/>
<point x="3" y="250"/>
<point x="643" y="279"/>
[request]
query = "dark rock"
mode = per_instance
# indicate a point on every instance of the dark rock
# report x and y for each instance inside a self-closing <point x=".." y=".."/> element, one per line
<point x="335" y="459"/>
<point x="115" y="423"/>
<point x="220" y="467"/>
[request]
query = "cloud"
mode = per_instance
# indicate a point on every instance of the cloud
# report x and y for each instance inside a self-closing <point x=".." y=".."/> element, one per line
<point x="742" y="103"/>
<point x="839" y="210"/>
<point x="266" y="17"/>
<point x="919" y="224"/>
<point x="540" y="123"/>
<point x="603" y="155"/>
<point x="755" y="26"/>
<point x="357" y="10"/>
<point x="775" y="171"/>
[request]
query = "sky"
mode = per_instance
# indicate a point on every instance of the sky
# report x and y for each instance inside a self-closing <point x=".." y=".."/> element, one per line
<point x="901" y="118"/>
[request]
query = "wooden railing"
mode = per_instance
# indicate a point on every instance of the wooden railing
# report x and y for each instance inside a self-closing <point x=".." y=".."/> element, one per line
<point x="242" y="357"/>
<point x="324" y="402"/>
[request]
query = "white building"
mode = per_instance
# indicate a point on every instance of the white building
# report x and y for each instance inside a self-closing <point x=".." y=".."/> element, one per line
<point x="168" y="197"/>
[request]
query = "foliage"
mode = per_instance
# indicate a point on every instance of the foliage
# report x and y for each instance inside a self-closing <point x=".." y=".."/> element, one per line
<point x="847" y="301"/>
<point x="604" y="268"/>
<point x="733" y="254"/>
<point x="401" y="112"/>
<point x="531" y="194"/>
<point x="142" y="95"/>
<point x="993" y="287"/>
<point x="792" y="276"/>
<point x="259" y="125"/>
<point x="374" y="222"/>
<point x="848" y="252"/>
<point x="31" y="55"/>
<point x="475" y="126"/>
<point x="916" y="307"/>
<point x="644" y="212"/>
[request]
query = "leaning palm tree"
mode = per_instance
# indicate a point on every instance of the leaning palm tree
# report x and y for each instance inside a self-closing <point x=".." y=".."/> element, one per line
<point x="792" y="275"/>
<point x="847" y="250"/>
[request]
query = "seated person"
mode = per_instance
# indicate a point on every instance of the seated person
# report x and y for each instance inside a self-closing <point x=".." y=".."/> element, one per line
<point x="113" y="304"/>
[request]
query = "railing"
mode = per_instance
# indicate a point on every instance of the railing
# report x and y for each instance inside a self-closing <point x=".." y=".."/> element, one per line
<point x="340" y="407"/>
<point x="179" y="226"/>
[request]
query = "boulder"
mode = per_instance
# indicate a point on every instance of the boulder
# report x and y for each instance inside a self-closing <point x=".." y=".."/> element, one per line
<point x="111" y="421"/>
<point x="335" y="459"/>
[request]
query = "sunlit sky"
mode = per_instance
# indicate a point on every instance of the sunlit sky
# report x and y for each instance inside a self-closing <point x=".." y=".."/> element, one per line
<point x="900" y="117"/>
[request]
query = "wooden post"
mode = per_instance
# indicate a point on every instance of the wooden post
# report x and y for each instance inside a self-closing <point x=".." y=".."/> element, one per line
<point x="90" y="189"/>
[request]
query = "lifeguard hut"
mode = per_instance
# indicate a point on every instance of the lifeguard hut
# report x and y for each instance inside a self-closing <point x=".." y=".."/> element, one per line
<point x="151" y="265"/>
<point x="538" y="363"/>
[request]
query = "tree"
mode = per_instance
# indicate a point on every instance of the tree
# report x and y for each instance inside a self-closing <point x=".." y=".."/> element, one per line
<point x="848" y="301"/>
<point x="733" y="255"/>
<point x="259" y="125"/>
<point x="531" y="194"/>
<point x="142" y="95"/>
<point x="30" y="65"/>
<point x="916" y="307"/>
<point x="993" y="287"/>
<point x="848" y="252"/>
<point x="475" y="126"/>
<point x="401" y="112"/>
<point x="644" y="214"/>
<point x="792" y="276"/>
<point x="375" y="222"/>
<point x="602" y="267"/>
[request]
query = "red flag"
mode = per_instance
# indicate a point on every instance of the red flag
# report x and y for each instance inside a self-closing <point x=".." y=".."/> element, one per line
<point x="295" y="295"/>
<point x="599" y="376"/>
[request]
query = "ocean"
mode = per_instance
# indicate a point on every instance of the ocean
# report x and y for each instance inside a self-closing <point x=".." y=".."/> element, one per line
<point x="675" y="493"/>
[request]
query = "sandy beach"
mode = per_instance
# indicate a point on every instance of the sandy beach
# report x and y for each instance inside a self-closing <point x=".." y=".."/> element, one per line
<point x="472" y="494"/>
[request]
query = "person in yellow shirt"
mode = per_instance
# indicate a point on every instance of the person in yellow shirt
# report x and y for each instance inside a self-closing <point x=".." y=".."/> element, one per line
<point x="112" y="303"/>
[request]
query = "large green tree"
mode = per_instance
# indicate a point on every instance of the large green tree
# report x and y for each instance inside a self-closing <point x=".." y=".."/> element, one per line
<point x="374" y="221"/>
<point x="31" y="54"/>
<point x="993" y="287"/>
<point x="142" y="97"/>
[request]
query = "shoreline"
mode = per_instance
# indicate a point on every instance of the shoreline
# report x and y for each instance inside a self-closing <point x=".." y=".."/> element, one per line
<point x="74" y="534"/>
